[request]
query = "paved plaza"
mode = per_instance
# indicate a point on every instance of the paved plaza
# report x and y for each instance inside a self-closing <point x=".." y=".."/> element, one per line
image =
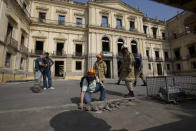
<point x="56" y="110"/>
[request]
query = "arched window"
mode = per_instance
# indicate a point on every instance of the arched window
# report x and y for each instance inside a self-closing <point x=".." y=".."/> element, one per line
<point x="105" y="44"/>
<point x="134" y="46"/>
<point x="120" y="43"/>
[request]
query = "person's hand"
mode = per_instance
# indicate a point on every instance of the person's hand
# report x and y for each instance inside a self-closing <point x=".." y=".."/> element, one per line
<point x="101" y="84"/>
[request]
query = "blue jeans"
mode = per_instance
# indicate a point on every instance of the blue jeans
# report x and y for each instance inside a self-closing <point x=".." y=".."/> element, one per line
<point x="88" y="95"/>
<point x="47" y="74"/>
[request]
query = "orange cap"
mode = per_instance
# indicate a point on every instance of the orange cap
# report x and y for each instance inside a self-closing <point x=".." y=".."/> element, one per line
<point x="91" y="71"/>
<point x="99" y="56"/>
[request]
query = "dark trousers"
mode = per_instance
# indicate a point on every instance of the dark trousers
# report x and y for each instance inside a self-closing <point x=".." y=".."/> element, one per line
<point x="47" y="74"/>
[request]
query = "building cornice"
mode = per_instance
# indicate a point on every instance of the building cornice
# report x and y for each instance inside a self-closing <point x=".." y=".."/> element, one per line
<point x="59" y="27"/>
<point x="69" y="4"/>
<point x="115" y="30"/>
<point x="102" y="6"/>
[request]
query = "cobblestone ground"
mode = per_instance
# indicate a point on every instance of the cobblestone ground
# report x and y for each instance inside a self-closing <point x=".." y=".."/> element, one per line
<point x="22" y="110"/>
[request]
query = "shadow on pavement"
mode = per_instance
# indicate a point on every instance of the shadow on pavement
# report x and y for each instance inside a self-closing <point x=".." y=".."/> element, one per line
<point x="187" y="124"/>
<point x="79" y="121"/>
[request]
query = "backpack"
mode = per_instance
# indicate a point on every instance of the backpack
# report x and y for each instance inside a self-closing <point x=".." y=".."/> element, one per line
<point x="82" y="80"/>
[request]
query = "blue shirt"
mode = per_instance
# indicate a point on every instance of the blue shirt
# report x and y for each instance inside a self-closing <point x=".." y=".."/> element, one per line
<point x="37" y="66"/>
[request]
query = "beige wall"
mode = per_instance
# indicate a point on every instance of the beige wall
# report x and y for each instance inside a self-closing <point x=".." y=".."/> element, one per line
<point x="184" y="40"/>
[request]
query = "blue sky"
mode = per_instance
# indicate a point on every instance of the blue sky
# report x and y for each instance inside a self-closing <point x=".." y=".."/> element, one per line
<point x="151" y="8"/>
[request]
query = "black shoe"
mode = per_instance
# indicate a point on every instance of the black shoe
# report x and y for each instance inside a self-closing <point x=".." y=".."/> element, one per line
<point x="144" y="84"/>
<point x="134" y="84"/>
<point x="117" y="83"/>
<point x="130" y="94"/>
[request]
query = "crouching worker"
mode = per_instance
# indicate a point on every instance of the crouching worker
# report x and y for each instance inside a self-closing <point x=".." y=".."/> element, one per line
<point x="90" y="84"/>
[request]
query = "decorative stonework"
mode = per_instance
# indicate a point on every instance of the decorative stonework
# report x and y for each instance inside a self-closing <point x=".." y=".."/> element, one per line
<point x="42" y="8"/>
<point x="119" y="15"/>
<point x="82" y="41"/>
<point x="132" y="18"/>
<point x="61" y="11"/>
<point x="105" y="12"/>
<point x="59" y="39"/>
<point x="79" y="14"/>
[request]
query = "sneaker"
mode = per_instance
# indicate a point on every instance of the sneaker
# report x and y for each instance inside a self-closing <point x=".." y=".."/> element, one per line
<point x="45" y="88"/>
<point x="52" y="88"/>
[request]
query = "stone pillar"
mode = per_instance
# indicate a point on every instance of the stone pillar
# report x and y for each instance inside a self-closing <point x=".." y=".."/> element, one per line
<point x="68" y="66"/>
<point x="115" y="68"/>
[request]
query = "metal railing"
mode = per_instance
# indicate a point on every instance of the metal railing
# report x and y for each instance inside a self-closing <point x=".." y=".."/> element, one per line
<point x="120" y="27"/>
<point x="191" y="56"/>
<point x="168" y="59"/>
<point x="23" y="49"/>
<point x="59" y="54"/>
<point x="150" y="59"/>
<point x="56" y="22"/>
<point x="181" y="34"/>
<point x="158" y="59"/>
<point x="105" y="25"/>
<point x="156" y="37"/>
<point x="133" y="30"/>
<point x="12" y="42"/>
<point x="78" y="55"/>
<point x="36" y="52"/>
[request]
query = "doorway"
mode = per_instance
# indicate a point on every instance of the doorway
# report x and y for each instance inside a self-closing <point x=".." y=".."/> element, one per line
<point x="159" y="69"/>
<point x="59" y="68"/>
<point x="108" y="73"/>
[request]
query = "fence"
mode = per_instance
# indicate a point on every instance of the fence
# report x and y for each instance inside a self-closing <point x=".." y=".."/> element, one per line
<point x="172" y="88"/>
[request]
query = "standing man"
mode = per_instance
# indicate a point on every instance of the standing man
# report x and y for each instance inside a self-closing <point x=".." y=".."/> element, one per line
<point x="127" y="72"/>
<point x="38" y="71"/>
<point x="100" y="68"/>
<point x="138" y="69"/>
<point x="47" y="72"/>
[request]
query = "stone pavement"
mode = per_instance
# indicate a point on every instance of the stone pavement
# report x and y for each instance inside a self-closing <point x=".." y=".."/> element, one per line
<point x="22" y="110"/>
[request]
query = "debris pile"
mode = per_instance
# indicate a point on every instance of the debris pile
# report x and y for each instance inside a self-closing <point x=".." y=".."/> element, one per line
<point x="107" y="106"/>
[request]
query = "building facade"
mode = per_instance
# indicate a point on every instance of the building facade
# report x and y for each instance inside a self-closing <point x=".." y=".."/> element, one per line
<point x="74" y="33"/>
<point x="14" y="39"/>
<point x="182" y="41"/>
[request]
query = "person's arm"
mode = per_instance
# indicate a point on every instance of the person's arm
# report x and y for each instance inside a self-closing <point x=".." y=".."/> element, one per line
<point x="52" y="62"/>
<point x="82" y="99"/>
<point x="105" y="68"/>
<point x="84" y="89"/>
<point x="99" y="82"/>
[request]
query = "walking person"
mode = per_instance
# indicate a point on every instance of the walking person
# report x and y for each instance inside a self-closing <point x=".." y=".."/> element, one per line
<point x="38" y="72"/>
<point x="138" y="69"/>
<point x="100" y="68"/>
<point x="47" y="72"/>
<point x="120" y="77"/>
<point x="91" y="84"/>
<point x="127" y="72"/>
